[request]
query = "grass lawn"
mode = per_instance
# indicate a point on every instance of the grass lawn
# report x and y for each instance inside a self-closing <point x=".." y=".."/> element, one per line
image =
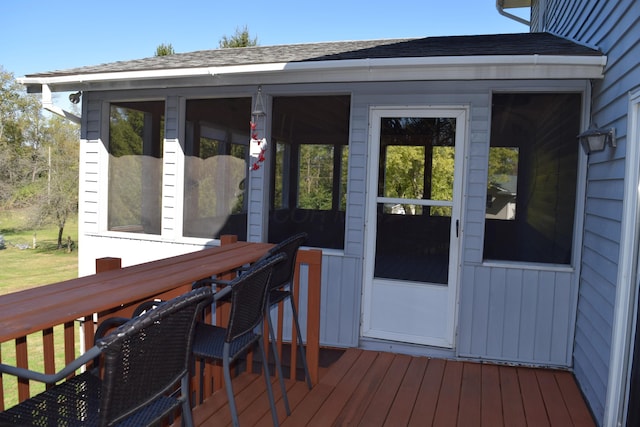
<point x="22" y="267"/>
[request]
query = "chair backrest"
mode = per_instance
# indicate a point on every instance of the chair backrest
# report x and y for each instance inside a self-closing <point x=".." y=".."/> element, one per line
<point x="283" y="272"/>
<point x="148" y="355"/>
<point x="249" y="295"/>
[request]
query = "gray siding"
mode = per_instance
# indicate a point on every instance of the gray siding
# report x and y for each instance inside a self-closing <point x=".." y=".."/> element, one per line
<point x="612" y="26"/>
<point x="340" y="304"/>
<point x="517" y="313"/>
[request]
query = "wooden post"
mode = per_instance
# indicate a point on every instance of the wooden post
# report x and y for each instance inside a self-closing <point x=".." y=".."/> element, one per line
<point x="226" y="239"/>
<point x="313" y="258"/>
<point x="107" y="264"/>
<point x="88" y="325"/>
<point x="222" y="317"/>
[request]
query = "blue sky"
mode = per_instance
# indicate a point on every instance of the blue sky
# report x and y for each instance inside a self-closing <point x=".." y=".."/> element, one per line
<point x="42" y="35"/>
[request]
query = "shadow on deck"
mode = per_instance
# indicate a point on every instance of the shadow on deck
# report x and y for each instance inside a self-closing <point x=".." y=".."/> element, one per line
<point x="384" y="389"/>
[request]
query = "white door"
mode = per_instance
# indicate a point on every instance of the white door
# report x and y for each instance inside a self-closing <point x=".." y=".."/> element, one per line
<point x="412" y="238"/>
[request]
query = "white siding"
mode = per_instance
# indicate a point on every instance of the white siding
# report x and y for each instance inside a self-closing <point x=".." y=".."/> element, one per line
<point x="91" y="180"/>
<point x="172" y="181"/>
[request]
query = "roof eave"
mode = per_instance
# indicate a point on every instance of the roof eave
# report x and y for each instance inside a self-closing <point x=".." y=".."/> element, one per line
<point x="511" y="4"/>
<point x="496" y="67"/>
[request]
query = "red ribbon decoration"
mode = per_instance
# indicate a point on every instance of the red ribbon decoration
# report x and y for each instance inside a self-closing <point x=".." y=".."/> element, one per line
<point x="261" y="155"/>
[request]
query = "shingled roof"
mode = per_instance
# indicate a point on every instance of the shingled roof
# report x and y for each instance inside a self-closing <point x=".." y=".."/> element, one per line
<point x="478" y="45"/>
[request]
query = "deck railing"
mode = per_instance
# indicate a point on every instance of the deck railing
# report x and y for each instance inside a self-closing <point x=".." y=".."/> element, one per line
<point x="55" y="338"/>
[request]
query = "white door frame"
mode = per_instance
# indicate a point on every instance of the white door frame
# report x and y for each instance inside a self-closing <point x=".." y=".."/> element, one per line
<point x="446" y="295"/>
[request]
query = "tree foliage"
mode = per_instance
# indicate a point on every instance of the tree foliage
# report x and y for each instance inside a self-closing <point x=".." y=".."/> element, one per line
<point x="241" y="38"/>
<point x="503" y="164"/>
<point x="38" y="157"/>
<point x="419" y="158"/>
<point x="316" y="177"/>
<point x="164" y="50"/>
<point x="21" y="124"/>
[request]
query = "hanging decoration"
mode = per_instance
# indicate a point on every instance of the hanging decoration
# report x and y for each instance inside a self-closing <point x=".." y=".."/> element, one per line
<point x="257" y="145"/>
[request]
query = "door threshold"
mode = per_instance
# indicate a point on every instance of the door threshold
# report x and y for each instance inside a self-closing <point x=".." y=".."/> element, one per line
<point x="406" y="348"/>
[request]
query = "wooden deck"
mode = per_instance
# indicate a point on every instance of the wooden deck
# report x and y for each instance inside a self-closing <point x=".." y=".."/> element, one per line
<point x="385" y="389"/>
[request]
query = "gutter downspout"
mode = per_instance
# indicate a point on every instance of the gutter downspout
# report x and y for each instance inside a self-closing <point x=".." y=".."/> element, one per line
<point x="47" y="104"/>
<point x="501" y="11"/>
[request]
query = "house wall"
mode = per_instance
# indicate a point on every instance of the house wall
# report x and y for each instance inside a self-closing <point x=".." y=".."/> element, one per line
<point x="613" y="27"/>
<point x="510" y="312"/>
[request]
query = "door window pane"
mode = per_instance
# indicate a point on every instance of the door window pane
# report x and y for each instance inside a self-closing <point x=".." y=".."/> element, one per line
<point x="136" y="132"/>
<point x="532" y="175"/>
<point x="416" y="168"/>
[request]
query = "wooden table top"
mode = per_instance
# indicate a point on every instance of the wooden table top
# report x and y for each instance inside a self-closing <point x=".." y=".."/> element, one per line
<point x="36" y="309"/>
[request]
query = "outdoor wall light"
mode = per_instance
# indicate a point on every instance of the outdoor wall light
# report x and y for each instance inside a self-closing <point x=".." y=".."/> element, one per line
<point x="595" y="139"/>
<point x="74" y="98"/>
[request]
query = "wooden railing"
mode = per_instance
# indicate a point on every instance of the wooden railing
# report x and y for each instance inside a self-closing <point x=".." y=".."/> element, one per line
<point x="71" y="307"/>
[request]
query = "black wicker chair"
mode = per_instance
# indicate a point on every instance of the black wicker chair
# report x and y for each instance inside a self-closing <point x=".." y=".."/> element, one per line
<point x="247" y="294"/>
<point x="281" y="288"/>
<point x="143" y="362"/>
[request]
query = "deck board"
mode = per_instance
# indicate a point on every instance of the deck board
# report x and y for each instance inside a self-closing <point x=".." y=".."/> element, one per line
<point x="380" y="402"/>
<point x="470" y="407"/>
<point x="403" y="405"/>
<point x="491" y="399"/>
<point x="512" y="407"/>
<point x="375" y="388"/>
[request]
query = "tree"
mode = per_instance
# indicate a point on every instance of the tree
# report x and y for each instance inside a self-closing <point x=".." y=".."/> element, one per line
<point x="240" y="39"/>
<point x="38" y="158"/>
<point x="164" y="50"/>
<point x="21" y="124"/>
<point x="316" y="177"/>
<point x="58" y="195"/>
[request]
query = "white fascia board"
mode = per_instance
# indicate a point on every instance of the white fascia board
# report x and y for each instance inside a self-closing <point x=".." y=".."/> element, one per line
<point x="380" y="69"/>
<point x="511" y="4"/>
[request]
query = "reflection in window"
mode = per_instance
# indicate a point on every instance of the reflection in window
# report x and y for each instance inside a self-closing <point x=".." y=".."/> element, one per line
<point x="502" y="183"/>
<point x="532" y="174"/>
<point x="216" y="167"/>
<point x="136" y="132"/>
<point x="309" y="181"/>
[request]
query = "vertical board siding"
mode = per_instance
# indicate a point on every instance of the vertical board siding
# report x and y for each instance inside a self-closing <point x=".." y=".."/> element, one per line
<point x="516" y="315"/>
<point x="340" y="305"/>
<point x="612" y="27"/>
<point x="522" y="314"/>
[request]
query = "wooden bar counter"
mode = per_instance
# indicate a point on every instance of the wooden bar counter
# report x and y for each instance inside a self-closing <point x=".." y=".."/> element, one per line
<point x="33" y="310"/>
<point x="115" y="291"/>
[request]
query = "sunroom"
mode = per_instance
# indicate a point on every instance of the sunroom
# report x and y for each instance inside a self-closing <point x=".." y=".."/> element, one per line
<point x="441" y="177"/>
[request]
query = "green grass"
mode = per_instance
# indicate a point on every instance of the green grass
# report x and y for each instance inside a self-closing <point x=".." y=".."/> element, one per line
<point x="25" y="268"/>
<point x="22" y="268"/>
